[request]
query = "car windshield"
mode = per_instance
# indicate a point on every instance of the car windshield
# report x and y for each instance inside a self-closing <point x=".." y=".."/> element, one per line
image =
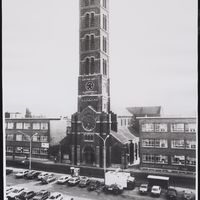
<point x="171" y="190"/>
<point x="155" y="189"/>
<point x="143" y="186"/>
<point x="40" y="194"/>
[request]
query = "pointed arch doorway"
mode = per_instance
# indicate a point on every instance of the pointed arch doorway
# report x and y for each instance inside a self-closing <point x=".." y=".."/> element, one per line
<point x="88" y="155"/>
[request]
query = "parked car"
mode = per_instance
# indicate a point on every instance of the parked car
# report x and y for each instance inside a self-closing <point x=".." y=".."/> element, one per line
<point x="113" y="188"/>
<point x="171" y="193"/>
<point x="42" y="175"/>
<point x="188" y="195"/>
<point x="9" y="189"/>
<point x="42" y="195"/>
<point x="94" y="184"/>
<point x="144" y="188"/>
<point x="47" y="179"/>
<point x="33" y="174"/>
<point x="16" y="192"/>
<point x="156" y="190"/>
<point x="63" y="179"/>
<point x="22" y="174"/>
<point x="56" y="196"/>
<point x="8" y="171"/>
<point x="74" y="181"/>
<point x="84" y="181"/>
<point x="26" y="195"/>
<point x="131" y="183"/>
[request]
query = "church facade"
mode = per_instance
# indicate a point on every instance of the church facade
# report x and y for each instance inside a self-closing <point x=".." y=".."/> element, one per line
<point x="94" y="125"/>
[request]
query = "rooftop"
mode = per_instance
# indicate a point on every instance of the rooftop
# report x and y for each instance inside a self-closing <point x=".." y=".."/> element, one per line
<point x="143" y="111"/>
<point x="123" y="135"/>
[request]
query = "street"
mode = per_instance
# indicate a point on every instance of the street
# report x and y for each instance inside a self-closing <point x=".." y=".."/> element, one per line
<point x="74" y="191"/>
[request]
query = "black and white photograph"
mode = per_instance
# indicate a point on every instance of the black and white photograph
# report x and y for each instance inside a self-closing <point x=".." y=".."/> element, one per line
<point x="100" y="99"/>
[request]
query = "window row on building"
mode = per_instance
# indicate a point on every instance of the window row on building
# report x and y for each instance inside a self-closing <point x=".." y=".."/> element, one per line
<point x="175" y="143"/>
<point x="27" y="125"/>
<point x="26" y="150"/>
<point x="164" y="127"/>
<point x="163" y="159"/>
<point x="20" y="137"/>
<point x="89" y="137"/>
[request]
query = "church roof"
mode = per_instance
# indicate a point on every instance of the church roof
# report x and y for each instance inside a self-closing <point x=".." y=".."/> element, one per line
<point x="123" y="135"/>
<point x="147" y="110"/>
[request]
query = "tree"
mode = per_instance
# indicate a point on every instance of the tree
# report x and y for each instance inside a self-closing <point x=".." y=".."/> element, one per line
<point x="53" y="150"/>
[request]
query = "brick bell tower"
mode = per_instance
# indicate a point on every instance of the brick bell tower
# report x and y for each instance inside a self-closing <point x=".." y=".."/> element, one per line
<point x="93" y="117"/>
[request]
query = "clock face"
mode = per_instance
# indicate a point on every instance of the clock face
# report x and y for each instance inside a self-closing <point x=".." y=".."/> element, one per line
<point x="88" y="123"/>
<point x="89" y="85"/>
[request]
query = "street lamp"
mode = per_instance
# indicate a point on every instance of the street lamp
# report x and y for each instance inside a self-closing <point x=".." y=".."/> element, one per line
<point x="30" y="139"/>
<point x="104" y="151"/>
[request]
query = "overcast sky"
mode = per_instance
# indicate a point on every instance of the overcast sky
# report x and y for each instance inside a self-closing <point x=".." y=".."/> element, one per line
<point x="153" y="55"/>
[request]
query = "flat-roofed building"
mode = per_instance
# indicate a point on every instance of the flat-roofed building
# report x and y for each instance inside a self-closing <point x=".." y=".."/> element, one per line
<point x="45" y="132"/>
<point x="168" y="143"/>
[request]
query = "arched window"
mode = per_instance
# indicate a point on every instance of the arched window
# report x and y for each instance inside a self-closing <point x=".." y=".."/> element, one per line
<point x="92" y="44"/>
<point x="104" y="67"/>
<point x="104" y="44"/>
<point x="92" y="65"/>
<point x="104" y="22"/>
<point x="86" y="2"/>
<point x="92" y="20"/>
<point x="87" y="66"/>
<point x="87" y="42"/>
<point x="87" y="20"/>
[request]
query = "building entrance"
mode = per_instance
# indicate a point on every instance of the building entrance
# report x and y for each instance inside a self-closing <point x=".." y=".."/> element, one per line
<point x="88" y="155"/>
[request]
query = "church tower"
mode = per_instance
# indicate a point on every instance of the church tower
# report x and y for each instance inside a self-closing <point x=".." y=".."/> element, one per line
<point x="93" y="120"/>
<point x="94" y="56"/>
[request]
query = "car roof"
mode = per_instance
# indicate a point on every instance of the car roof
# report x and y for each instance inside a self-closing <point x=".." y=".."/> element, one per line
<point x="43" y="191"/>
<point x="18" y="187"/>
<point x="55" y="193"/>
<point x="156" y="186"/>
